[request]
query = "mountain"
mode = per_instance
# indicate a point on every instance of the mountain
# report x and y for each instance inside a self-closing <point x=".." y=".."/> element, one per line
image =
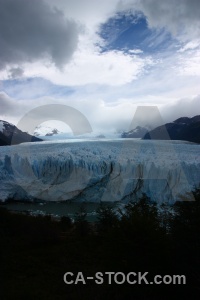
<point x="100" y="136"/>
<point x="186" y="129"/>
<point x="46" y="131"/>
<point x="138" y="132"/>
<point x="6" y="135"/>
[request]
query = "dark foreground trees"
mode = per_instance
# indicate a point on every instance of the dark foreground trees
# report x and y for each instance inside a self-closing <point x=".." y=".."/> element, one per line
<point x="36" y="252"/>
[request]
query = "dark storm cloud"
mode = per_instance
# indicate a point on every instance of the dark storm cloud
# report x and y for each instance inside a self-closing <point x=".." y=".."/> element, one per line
<point x="183" y="107"/>
<point x="181" y="17"/>
<point x="16" y="73"/>
<point x="6" y="104"/>
<point x="31" y="30"/>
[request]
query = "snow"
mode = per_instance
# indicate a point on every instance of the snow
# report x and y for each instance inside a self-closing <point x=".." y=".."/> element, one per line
<point x="99" y="170"/>
<point x="3" y="123"/>
<point x="43" y="130"/>
<point x="1" y="126"/>
<point x="67" y="136"/>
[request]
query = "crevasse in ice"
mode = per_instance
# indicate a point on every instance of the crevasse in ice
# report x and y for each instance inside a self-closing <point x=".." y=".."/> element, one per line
<point x="109" y="170"/>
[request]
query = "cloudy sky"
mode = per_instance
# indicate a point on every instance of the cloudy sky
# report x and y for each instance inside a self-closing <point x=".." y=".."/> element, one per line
<point x="104" y="58"/>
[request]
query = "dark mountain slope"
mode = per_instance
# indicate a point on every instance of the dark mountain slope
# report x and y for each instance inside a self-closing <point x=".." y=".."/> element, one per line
<point x="186" y="129"/>
<point x="11" y="135"/>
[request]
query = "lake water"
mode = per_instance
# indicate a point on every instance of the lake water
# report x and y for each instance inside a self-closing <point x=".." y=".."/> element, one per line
<point x="56" y="209"/>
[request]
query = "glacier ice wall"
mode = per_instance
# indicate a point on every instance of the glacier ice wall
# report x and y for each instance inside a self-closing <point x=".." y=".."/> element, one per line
<point x="115" y="170"/>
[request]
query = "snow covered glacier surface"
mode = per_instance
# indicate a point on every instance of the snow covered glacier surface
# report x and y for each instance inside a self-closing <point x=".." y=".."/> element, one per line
<point x="99" y="170"/>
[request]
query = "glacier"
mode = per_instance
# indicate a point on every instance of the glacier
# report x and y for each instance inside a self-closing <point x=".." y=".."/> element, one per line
<point x="100" y="170"/>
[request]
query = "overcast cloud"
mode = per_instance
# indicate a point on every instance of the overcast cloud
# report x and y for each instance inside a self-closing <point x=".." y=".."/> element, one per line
<point x="49" y="29"/>
<point x="60" y="41"/>
<point x="181" y="18"/>
<point x="31" y="31"/>
<point x="102" y="117"/>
